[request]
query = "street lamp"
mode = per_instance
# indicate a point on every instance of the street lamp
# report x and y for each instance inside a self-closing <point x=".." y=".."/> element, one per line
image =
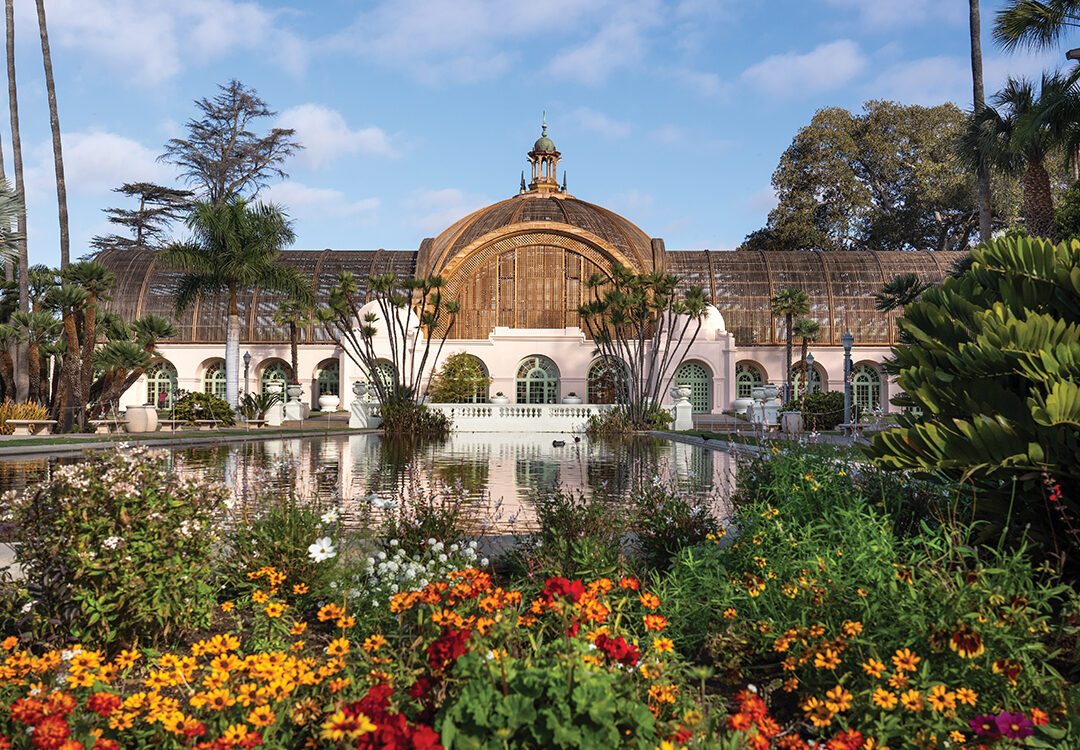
<point x="847" y="340"/>
<point x="247" y="364"/>
<point x="809" y="373"/>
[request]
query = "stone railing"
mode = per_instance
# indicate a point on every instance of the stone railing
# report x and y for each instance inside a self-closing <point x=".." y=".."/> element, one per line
<point x="519" y="417"/>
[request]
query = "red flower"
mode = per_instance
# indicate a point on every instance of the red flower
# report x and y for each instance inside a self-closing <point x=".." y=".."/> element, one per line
<point x="104" y="704"/>
<point x="50" y="733"/>
<point x="739" y="722"/>
<point x="555" y="587"/>
<point x="629" y="583"/>
<point x="447" y="648"/>
<point x="617" y="649"/>
<point x="104" y="744"/>
<point x="28" y="710"/>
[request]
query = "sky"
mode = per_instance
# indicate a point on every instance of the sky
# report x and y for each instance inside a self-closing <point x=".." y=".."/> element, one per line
<point x="415" y="112"/>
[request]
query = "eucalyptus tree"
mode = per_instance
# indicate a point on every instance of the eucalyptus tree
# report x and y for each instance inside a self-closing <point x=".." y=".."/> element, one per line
<point x="234" y="247"/>
<point x="789" y="304"/>
<point x="642" y="322"/>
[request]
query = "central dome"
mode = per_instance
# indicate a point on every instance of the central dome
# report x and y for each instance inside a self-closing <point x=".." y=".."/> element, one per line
<point x="551" y="213"/>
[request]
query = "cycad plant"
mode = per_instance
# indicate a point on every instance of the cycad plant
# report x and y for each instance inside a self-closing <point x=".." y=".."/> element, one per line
<point x="807" y="329"/>
<point x="994" y="367"/>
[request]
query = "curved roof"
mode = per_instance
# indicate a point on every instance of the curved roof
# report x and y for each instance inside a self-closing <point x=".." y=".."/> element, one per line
<point x="563" y="210"/>
<point x="143" y="287"/>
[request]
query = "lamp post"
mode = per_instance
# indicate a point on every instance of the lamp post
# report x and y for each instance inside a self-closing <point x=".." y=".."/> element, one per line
<point x="247" y="365"/>
<point x="809" y="374"/>
<point x="847" y="340"/>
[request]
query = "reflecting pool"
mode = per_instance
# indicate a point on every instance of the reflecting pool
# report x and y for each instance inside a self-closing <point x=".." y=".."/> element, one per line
<point x="495" y="474"/>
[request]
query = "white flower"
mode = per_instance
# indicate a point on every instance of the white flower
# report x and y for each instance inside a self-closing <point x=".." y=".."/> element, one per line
<point x="112" y="542"/>
<point x="393" y="542"/>
<point x="431" y="542"/>
<point x="484" y="563"/>
<point x="322" y="549"/>
<point x="329" y="516"/>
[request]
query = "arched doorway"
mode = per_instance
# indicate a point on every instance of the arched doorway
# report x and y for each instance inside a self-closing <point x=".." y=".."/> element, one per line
<point x="748" y="376"/>
<point x="866" y="387"/>
<point x="607" y="382"/>
<point x="798" y="386"/>
<point x="537" y="381"/>
<point x="213" y="380"/>
<point x="275" y="371"/>
<point x="329" y="380"/>
<point x="697" y="376"/>
<point x="161" y="385"/>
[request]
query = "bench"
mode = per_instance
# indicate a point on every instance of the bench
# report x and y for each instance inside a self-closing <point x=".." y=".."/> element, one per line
<point x="207" y="424"/>
<point x="29" y="426"/>
<point x="852" y="429"/>
<point x="169" y="425"/>
<point x="256" y="423"/>
<point x="107" y="426"/>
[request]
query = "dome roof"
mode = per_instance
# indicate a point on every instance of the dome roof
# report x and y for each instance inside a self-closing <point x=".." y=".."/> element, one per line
<point x="544" y="144"/>
<point x="562" y="211"/>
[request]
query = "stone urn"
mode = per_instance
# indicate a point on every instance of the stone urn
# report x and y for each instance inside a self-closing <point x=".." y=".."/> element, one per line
<point x="329" y="402"/>
<point x="500" y="400"/>
<point x="295" y="390"/>
<point x="772" y="392"/>
<point x="742" y="404"/>
<point x="141" y="419"/>
<point x="573" y="398"/>
<point x="681" y="392"/>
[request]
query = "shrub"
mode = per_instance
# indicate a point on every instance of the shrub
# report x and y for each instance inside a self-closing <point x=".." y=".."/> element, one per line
<point x="459" y="381"/>
<point x="619" y="421"/>
<point x="820" y="411"/>
<point x="665" y="522"/>
<point x="21" y="410"/>
<point x="117" y="549"/>
<point x="418" y="513"/>
<point x="198" y="405"/>
<point x="409" y="419"/>
<point x="255" y="405"/>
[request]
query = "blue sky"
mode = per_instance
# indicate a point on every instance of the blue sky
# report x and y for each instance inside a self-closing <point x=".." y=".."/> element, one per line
<point x="415" y="112"/>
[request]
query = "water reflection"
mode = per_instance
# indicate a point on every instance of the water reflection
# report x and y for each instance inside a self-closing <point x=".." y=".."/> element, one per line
<point x="494" y="473"/>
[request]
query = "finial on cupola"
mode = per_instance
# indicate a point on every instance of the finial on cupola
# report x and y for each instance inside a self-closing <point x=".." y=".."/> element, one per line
<point x="564" y="181"/>
<point x="523" y="188"/>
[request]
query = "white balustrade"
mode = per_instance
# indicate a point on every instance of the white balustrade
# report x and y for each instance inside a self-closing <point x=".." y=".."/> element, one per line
<point x="519" y="417"/>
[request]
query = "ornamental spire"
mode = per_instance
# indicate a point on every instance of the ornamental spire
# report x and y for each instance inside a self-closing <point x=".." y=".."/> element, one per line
<point x="544" y="158"/>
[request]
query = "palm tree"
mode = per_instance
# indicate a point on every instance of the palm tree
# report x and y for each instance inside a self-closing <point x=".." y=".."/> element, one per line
<point x="1016" y="136"/>
<point x="1034" y="24"/>
<point x="71" y="404"/>
<point x="22" y="376"/>
<point x="808" y="330"/>
<point x="9" y="336"/>
<point x="124" y="361"/>
<point x="789" y="303"/>
<point x="295" y="314"/>
<point x="97" y="281"/>
<point x="54" y="121"/>
<point x="40" y="329"/>
<point x="235" y="247"/>
<point x="979" y="102"/>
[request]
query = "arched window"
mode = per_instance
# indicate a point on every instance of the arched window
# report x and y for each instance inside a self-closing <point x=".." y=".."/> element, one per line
<point x="161" y="385"/>
<point x="866" y="387"/>
<point x="329" y="379"/>
<point x="385" y="372"/>
<point x="607" y="382"/>
<point x="537" y="381"/>
<point x="797" y="384"/>
<point x="213" y="380"/>
<point x="696" y="375"/>
<point x="747" y="377"/>
<point x="275" y="371"/>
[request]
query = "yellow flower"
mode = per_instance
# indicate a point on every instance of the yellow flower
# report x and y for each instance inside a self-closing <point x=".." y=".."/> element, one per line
<point x="261" y="716"/>
<point x="851" y="628"/>
<point x="298" y="628"/>
<point x="663" y="693"/>
<point x="259" y="597"/>
<point x="227" y="606"/>
<point x="827" y="659"/>
<point x="838" y="699"/>
<point x="373" y="643"/>
<point x="234" y="734"/>
<point x="663" y="644"/>
<point x="884" y="699"/>
<point x="300" y="588"/>
<point x="274" y="609"/>
<point x="730" y="613"/>
<point x="941" y="698"/>
<point x="340" y="727"/>
<point x="819" y="714"/>
<point x="957" y="737"/>
<point x="338" y="647"/>
<point x="912" y="700"/>
<point x="967" y="695"/>
<point x="904" y="660"/>
<point x="346" y="622"/>
<point x="873" y="667"/>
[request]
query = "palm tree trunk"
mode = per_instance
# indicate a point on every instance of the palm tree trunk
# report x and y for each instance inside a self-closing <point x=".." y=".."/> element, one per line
<point x="54" y="121"/>
<point x="787" y="370"/>
<point x="293" y="336"/>
<point x="985" y="228"/>
<point x="232" y="352"/>
<point x="22" y="373"/>
<point x="34" y="361"/>
<point x="1038" y="202"/>
<point x="805" y="368"/>
<point x="75" y="403"/>
<point x="7" y="374"/>
<point x="89" y="340"/>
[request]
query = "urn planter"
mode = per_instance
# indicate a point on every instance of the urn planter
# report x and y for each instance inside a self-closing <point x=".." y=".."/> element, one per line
<point x="141" y="419"/>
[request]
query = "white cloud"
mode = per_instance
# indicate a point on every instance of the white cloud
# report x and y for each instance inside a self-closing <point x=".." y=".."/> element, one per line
<point x="703" y="83"/>
<point x="304" y="202"/>
<point x="633" y="204"/>
<point x="597" y="122"/>
<point x="883" y="15"/>
<point x="435" y="210"/>
<point x="95" y="163"/>
<point x="669" y="134"/>
<point x="327" y="137"/>
<point x="826" y="67"/>
<point x="619" y="43"/>
<point x="153" y="42"/>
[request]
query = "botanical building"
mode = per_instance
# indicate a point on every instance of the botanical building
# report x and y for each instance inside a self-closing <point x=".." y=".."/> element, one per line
<point x="519" y="268"/>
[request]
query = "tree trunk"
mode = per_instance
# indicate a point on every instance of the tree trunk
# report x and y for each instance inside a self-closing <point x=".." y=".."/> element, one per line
<point x="76" y="404"/>
<point x="787" y="370"/>
<point x="22" y="374"/>
<point x="43" y="383"/>
<point x="232" y="352"/>
<point x="985" y="229"/>
<point x="293" y="335"/>
<point x="7" y="374"/>
<point x="33" y="359"/>
<point x="805" y="368"/>
<point x="1038" y="202"/>
<point x="89" y="329"/>
<point x="54" y="121"/>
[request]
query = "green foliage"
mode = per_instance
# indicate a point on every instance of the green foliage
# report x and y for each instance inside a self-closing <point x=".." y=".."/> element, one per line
<point x="885" y="179"/>
<point x="117" y="550"/>
<point x="665" y="522"/>
<point x="545" y="703"/>
<point x="820" y="411"/>
<point x="417" y="514"/>
<point x="619" y="421"/>
<point x="408" y="418"/>
<point x="1067" y="214"/>
<point x="208" y="406"/>
<point x="993" y="367"/>
<point x="19" y="410"/>
<point x="459" y="381"/>
<point x="255" y="405"/>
